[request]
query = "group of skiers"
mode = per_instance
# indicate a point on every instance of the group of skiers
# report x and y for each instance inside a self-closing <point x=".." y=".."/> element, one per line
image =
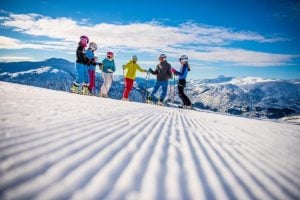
<point x="86" y="63"/>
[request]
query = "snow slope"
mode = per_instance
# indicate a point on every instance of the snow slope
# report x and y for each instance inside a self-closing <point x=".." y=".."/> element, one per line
<point x="56" y="145"/>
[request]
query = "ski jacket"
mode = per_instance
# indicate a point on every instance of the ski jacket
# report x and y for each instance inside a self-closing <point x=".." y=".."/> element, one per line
<point x="80" y="55"/>
<point x="163" y="71"/>
<point x="108" y="64"/>
<point x="183" y="72"/>
<point x="91" y="59"/>
<point x="131" y="70"/>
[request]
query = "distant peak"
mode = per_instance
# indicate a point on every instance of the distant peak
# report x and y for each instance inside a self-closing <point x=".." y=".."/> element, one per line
<point x="55" y="59"/>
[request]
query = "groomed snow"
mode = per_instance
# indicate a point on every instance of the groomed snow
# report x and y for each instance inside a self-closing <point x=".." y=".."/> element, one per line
<point x="57" y="145"/>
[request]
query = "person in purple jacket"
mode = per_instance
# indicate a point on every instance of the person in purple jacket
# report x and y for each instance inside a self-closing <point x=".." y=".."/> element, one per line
<point x="185" y="68"/>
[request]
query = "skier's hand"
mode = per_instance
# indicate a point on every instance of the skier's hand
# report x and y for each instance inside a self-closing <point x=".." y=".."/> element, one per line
<point x="145" y="70"/>
<point x="123" y="66"/>
<point x="100" y="66"/>
<point x="109" y="70"/>
<point x="150" y="70"/>
<point x="173" y="70"/>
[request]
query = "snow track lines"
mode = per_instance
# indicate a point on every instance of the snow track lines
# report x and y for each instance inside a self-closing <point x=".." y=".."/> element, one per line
<point x="56" y="145"/>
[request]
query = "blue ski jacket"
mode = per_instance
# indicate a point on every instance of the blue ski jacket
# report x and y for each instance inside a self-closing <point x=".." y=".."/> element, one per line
<point x="90" y="55"/>
<point x="183" y="72"/>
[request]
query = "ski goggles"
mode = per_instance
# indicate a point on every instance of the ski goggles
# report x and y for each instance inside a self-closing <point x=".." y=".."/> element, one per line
<point x="183" y="60"/>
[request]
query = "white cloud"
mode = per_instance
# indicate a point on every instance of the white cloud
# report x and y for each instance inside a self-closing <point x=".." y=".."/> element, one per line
<point x="135" y="35"/>
<point x="12" y="43"/>
<point x="241" y="57"/>
<point x="15" y="58"/>
<point x="198" y="41"/>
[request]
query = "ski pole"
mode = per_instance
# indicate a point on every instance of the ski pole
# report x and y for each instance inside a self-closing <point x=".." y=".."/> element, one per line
<point x="123" y="80"/>
<point x="146" y="85"/>
<point x="112" y="81"/>
<point x="170" y="92"/>
<point x="174" y="86"/>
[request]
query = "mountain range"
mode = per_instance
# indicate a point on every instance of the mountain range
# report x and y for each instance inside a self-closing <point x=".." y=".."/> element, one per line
<point x="249" y="96"/>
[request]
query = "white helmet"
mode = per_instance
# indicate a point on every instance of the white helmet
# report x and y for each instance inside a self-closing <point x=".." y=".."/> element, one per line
<point x="183" y="59"/>
<point x="93" y="46"/>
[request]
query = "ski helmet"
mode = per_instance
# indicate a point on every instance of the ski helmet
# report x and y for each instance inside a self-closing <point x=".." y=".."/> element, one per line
<point x="110" y="54"/>
<point x="85" y="38"/>
<point x="162" y="56"/>
<point x="93" y="46"/>
<point x="134" y="57"/>
<point x="183" y="59"/>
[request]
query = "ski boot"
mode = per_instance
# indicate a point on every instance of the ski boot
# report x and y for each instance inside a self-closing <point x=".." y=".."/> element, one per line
<point x="186" y="107"/>
<point x="90" y="92"/>
<point x="160" y="103"/>
<point x="149" y="100"/>
<point x="103" y="95"/>
<point x="74" y="88"/>
<point x="189" y="107"/>
<point x="84" y="90"/>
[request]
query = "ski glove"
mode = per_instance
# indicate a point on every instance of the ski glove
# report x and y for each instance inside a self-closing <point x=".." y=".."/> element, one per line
<point x="173" y="70"/>
<point x="109" y="70"/>
<point x="150" y="70"/>
<point x="123" y="67"/>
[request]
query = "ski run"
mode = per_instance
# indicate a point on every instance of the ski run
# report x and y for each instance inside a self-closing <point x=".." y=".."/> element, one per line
<point x="58" y="145"/>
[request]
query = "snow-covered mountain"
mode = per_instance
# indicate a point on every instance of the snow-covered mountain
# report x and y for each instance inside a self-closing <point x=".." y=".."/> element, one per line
<point x="53" y="73"/>
<point x="249" y="96"/>
<point x="59" y="145"/>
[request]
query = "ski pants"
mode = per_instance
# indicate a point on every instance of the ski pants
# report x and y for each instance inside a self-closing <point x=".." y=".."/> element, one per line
<point x="92" y="79"/>
<point x="82" y="75"/>
<point x="107" y="81"/>
<point x="164" y="87"/>
<point x="181" y="85"/>
<point x="128" y="87"/>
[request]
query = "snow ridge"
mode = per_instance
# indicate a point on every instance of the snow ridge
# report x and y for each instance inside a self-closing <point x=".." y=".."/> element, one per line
<point x="40" y="70"/>
<point x="66" y="146"/>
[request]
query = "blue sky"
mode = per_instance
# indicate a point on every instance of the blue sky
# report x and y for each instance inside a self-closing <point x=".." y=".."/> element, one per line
<point x="232" y="38"/>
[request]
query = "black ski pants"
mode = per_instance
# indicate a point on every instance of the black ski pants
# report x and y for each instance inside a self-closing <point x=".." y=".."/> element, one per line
<point x="181" y="85"/>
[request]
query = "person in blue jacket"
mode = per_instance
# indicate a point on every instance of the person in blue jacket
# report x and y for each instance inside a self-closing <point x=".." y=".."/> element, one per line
<point x="185" y="68"/>
<point x="108" y="68"/>
<point x="92" y="62"/>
